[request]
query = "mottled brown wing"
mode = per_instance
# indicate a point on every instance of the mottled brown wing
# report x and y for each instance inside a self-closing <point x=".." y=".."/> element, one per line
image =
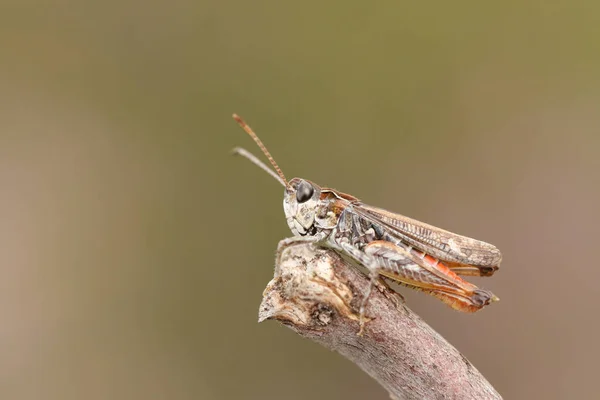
<point x="462" y="254"/>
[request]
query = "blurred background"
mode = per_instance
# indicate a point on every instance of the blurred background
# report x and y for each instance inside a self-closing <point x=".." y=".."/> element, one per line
<point x="134" y="249"/>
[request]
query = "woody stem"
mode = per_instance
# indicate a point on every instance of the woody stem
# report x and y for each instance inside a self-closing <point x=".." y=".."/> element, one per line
<point x="318" y="295"/>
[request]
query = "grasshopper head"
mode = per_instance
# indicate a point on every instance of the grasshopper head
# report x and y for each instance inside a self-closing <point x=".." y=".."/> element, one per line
<point x="301" y="197"/>
<point x="300" y="203"/>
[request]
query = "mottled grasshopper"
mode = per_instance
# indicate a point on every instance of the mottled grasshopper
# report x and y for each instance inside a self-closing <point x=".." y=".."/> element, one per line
<point x="409" y="252"/>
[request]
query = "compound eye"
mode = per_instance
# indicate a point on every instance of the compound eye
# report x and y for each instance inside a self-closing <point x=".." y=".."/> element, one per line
<point x="304" y="192"/>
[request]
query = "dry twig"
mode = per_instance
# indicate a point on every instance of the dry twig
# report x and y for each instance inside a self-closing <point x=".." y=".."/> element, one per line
<point x="317" y="294"/>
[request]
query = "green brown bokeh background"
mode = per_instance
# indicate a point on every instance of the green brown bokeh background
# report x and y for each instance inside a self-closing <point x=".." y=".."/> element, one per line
<point x="134" y="249"/>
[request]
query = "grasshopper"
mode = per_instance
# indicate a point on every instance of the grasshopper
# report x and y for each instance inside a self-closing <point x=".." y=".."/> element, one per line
<point x="404" y="250"/>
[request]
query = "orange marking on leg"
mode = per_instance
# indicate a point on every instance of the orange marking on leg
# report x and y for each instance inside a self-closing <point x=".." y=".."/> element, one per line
<point x="443" y="268"/>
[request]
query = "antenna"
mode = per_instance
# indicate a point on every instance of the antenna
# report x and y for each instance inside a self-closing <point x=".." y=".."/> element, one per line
<point x="245" y="153"/>
<point x="253" y="159"/>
